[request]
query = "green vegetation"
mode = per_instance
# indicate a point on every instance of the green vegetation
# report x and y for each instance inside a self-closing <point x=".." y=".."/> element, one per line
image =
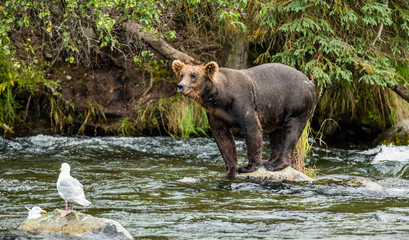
<point x="352" y="50"/>
<point x="336" y="42"/>
<point x="183" y="117"/>
<point x="302" y="149"/>
<point x="126" y="127"/>
<point x="8" y="103"/>
<point x="20" y="87"/>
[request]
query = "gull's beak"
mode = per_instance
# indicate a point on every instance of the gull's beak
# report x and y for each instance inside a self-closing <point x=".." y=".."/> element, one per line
<point x="44" y="211"/>
<point x="60" y="169"/>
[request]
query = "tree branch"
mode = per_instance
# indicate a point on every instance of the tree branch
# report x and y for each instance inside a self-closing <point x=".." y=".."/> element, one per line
<point x="150" y="85"/>
<point x="157" y="43"/>
<point x="401" y="91"/>
<point x="64" y="101"/>
<point x="378" y="36"/>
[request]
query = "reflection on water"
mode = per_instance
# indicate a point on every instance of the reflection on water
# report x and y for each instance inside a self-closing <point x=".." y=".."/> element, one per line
<point x="161" y="187"/>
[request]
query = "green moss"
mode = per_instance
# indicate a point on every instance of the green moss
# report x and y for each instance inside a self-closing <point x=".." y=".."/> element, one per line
<point x="397" y="140"/>
<point x="78" y="84"/>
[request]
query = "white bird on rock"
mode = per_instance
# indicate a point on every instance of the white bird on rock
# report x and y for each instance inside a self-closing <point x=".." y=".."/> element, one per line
<point x="35" y="212"/>
<point x="70" y="189"/>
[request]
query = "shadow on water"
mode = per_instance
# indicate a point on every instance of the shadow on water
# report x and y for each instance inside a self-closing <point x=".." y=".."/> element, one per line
<point x="168" y="188"/>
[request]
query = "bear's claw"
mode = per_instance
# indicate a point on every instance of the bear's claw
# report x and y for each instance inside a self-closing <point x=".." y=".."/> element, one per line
<point x="275" y="167"/>
<point x="247" y="169"/>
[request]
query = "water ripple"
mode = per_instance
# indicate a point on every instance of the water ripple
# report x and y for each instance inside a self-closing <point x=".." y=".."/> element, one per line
<point x="162" y="187"/>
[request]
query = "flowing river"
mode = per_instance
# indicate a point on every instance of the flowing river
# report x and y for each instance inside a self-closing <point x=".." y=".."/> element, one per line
<point x="170" y="188"/>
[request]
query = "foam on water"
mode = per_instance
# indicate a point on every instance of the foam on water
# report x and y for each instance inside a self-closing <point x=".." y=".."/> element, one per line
<point x="389" y="153"/>
<point x="188" y="180"/>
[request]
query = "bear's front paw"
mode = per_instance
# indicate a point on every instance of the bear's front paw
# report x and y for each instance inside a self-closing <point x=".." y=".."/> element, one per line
<point x="230" y="175"/>
<point x="247" y="169"/>
<point x="275" y="167"/>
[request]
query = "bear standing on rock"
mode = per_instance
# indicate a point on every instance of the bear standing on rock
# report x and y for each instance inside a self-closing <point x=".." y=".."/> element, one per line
<point x="273" y="98"/>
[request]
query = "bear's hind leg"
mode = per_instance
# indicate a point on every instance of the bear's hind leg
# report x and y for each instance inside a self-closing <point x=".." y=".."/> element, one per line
<point x="276" y="147"/>
<point x="292" y="131"/>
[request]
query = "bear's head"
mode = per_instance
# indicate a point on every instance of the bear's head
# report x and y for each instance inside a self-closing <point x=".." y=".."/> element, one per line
<point x="194" y="78"/>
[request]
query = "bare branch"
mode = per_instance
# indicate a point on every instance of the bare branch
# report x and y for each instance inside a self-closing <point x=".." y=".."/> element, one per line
<point x="150" y="85"/>
<point x="378" y="36"/>
<point x="401" y="91"/>
<point x="157" y="43"/>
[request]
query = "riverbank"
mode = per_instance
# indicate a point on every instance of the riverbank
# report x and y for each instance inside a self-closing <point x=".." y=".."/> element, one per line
<point x="112" y="76"/>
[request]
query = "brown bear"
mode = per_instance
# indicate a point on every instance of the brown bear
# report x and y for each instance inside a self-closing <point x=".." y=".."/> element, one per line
<point x="273" y="98"/>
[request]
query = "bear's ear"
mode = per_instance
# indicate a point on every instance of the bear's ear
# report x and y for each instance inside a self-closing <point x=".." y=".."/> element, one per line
<point x="177" y="66"/>
<point x="211" y="68"/>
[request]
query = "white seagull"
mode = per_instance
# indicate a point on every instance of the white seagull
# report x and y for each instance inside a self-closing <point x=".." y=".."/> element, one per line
<point x="35" y="212"/>
<point x="70" y="189"/>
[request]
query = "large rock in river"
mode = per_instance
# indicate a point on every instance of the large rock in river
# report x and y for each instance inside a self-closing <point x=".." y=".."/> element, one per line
<point x="76" y="225"/>
<point x="359" y="185"/>
<point x="397" y="135"/>
<point x="287" y="174"/>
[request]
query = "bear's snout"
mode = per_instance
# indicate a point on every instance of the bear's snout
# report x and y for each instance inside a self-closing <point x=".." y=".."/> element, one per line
<point x="181" y="87"/>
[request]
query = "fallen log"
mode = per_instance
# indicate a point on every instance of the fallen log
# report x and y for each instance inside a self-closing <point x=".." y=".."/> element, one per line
<point x="401" y="91"/>
<point x="157" y="42"/>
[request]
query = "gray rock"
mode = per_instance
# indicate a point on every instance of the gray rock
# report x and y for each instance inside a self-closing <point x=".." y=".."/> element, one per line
<point x="287" y="174"/>
<point x="355" y="185"/>
<point x="76" y="225"/>
<point x="366" y="186"/>
<point x="397" y="135"/>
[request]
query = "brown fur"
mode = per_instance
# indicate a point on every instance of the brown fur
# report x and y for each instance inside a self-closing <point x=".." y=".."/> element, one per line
<point x="271" y="97"/>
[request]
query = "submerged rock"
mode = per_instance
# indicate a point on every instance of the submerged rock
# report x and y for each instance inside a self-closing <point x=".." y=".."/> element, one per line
<point x="397" y="135"/>
<point x="366" y="186"/>
<point x="287" y="174"/>
<point x="340" y="185"/>
<point x="76" y="225"/>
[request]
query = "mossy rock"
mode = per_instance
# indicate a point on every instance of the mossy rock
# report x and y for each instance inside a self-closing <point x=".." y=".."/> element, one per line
<point x="397" y="135"/>
<point x="75" y="225"/>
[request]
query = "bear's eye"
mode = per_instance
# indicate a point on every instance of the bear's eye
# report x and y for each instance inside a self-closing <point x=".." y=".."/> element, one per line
<point x="193" y="77"/>
<point x="181" y="76"/>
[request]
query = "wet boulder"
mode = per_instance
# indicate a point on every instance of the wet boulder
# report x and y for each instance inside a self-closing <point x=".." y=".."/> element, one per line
<point x="397" y="135"/>
<point x="340" y="185"/>
<point x="352" y="185"/>
<point x="366" y="186"/>
<point x="75" y="225"/>
<point x="287" y="174"/>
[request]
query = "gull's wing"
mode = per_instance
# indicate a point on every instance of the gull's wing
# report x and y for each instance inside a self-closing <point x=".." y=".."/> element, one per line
<point x="70" y="188"/>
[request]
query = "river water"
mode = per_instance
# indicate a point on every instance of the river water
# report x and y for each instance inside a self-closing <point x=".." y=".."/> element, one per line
<point x="169" y="188"/>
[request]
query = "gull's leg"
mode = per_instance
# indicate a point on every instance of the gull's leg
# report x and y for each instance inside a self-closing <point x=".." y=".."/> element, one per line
<point x="66" y="210"/>
<point x="72" y="209"/>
